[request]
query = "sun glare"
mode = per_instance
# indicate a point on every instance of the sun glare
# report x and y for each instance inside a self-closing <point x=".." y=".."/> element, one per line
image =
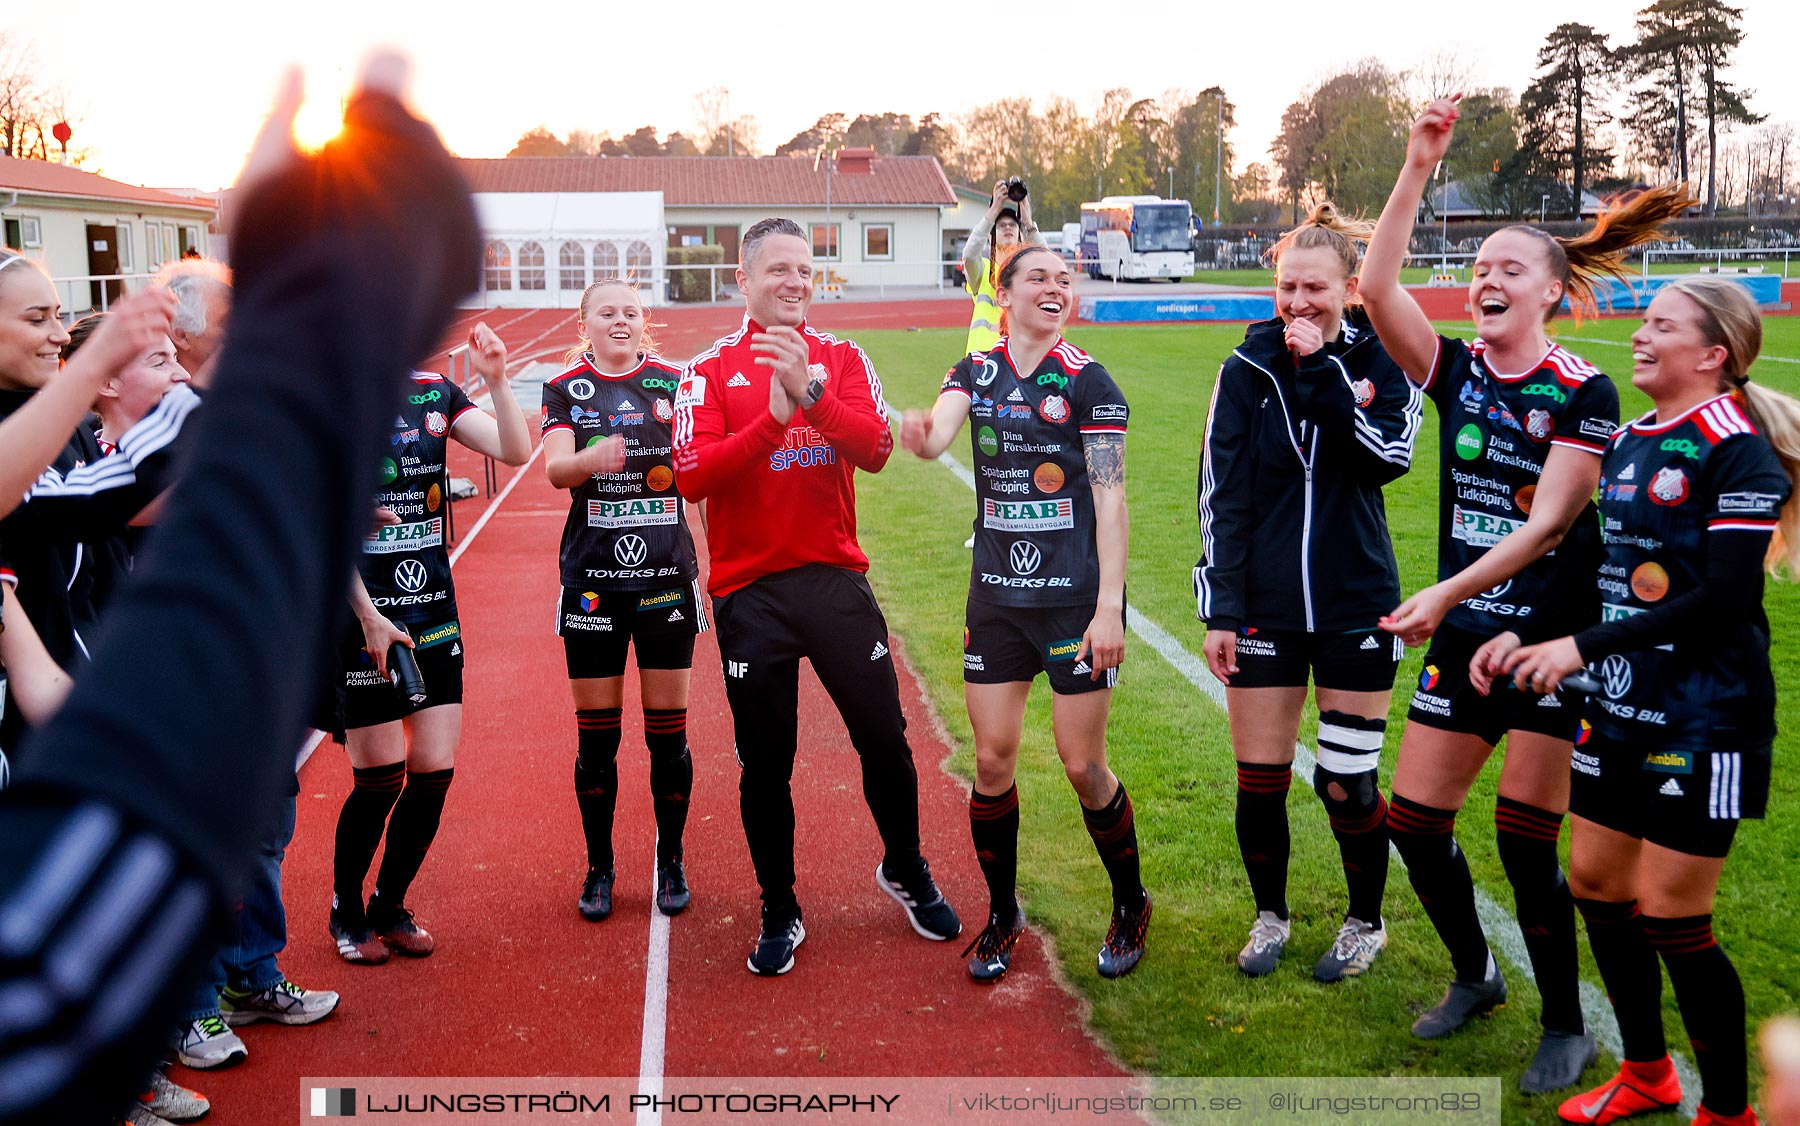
<point x="319" y="119"/>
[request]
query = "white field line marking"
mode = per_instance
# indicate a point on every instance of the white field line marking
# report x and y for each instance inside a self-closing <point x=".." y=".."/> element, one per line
<point x="495" y="507"/>
<point x="656" y="960"/>
<point x="1765" y="358"/>
<point x="1502" y="929"/>
<point x="656" y="1011"/>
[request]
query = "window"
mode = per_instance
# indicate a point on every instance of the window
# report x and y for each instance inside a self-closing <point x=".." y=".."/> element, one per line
<point x="878" y="242"/>
<point x="170" y="253"/>
<point x="30" y="233"/>
<point x="638" y="260"/>
<point x="124" y="248"/>
<point x="573" y="261"/>
<point x="190" y="239"/>
<point x="606" y="260"/>
<point x="497" y="263"/>
<point x="152" y="247"/>
<point x="531" y="266"/>
<point x="825" y="241"/>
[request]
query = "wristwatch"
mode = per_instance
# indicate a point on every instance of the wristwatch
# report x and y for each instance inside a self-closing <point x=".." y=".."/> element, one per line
<point x="815" y="391"/>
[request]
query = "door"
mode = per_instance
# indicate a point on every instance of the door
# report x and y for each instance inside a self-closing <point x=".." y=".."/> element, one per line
<point x="727" y="237"/>
<point x="103" y="258"/>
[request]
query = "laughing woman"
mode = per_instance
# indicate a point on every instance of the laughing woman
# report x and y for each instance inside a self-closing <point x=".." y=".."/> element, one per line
<point x="1679" y="748"/>
<point x="1047" y="592"/>
<point x="1309" y="419"/>
<point x="1522" y="423"/>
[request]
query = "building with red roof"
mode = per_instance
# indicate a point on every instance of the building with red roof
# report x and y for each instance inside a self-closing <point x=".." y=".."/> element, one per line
<point x="75" y="223"/>
<point x="554" y="223"/>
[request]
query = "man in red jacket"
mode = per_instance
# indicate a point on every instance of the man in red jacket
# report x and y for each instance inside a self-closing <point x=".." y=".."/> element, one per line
<point x="770" y="425"/>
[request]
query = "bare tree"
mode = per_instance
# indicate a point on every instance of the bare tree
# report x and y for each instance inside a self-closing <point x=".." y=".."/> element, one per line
<point x="29" y="107"/>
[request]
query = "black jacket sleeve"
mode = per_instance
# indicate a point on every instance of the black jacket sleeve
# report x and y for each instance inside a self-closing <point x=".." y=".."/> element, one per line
<point x="1365" y="408"/>
<point x="132" y="821"/>
<point x="1225" y="504"/>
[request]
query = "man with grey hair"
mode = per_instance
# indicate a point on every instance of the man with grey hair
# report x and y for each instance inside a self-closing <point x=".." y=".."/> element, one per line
<point x="202" y="290"/>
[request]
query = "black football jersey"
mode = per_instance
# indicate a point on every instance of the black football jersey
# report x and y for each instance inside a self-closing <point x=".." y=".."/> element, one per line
<point x="406" y="567"/>
<point x="1034" y="528"/>
<point x="1494" y="433"/>
<point x="1665" y="487"/>
<point x="626" y="530"/>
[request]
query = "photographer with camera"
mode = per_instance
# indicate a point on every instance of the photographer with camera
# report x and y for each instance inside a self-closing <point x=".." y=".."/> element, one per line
<point x="1006" y="227"/>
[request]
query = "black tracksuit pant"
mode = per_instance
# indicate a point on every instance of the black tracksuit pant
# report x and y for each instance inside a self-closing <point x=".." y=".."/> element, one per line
<point x="829" y="616"/>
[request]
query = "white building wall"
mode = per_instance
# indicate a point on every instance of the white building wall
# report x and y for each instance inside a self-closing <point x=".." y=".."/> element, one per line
<point x="63" y="238"/>
<point x="914" y="245"/>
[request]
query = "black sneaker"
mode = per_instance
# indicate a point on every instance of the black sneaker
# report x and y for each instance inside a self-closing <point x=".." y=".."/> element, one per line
<point x="672" y="894"/>
<point x="993" y="947"/>
<point x="1560" y="1060"/>
<point x="926" y="909"/>
<point x="1124" y="944"/>
<point x="774" y="953"/>
<point x="1462" y="1001"/>
<point x="596" y="895"/>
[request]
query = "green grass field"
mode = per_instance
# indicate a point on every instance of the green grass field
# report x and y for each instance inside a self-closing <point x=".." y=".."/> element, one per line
<point x="1419" y="275"/>
<point x="1186" y="1010"/>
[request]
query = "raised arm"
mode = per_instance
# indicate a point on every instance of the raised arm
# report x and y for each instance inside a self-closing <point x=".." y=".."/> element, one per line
<point x="1403" y="327"/>
<point x="502" y="435"/>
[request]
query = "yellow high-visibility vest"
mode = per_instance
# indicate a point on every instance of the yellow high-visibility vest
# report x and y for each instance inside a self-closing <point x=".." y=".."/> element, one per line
<point x="984" y="319"/>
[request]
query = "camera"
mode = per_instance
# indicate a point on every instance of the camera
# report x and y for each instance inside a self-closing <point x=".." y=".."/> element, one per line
<point x="1016" y="190"/>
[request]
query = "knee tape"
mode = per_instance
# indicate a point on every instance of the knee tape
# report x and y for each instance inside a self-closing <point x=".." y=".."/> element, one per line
<point x="1349" y="753"/>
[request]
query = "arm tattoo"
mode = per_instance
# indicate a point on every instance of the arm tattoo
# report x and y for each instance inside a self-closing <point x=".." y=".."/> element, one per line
<point x="1105" y="460"/>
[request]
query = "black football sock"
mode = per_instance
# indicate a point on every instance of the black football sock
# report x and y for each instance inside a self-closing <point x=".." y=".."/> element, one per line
<point x="1631" y="973"/>
<point x="597" y="780"/>
<point x="671" y="777"/>
<point x="1426" y="838"/>
<point x="1114" y="830"/>
<point x="1262" y="831"/>
<point x="994" y="828"/>
<point x="410" y="833"/>
<point x="1526" y="837"/>
<point x="1712" y="1007"/>
<point x="373" y="792"/>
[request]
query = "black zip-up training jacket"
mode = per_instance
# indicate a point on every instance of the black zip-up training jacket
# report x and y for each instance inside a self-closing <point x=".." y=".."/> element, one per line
<point x="1292" y="524"/>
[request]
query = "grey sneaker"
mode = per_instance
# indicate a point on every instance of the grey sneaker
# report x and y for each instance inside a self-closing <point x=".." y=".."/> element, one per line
<point x="1352" y="953"/>
<point x="140" y="1115"/>
<point x="284" y="1003"/>
<point x="1462" y="1001"/>
<point x="208" y="1043"/>
<point x="168" y="1101"/>
<point x="1268" y="940"/>
<point x="926" y="908"/>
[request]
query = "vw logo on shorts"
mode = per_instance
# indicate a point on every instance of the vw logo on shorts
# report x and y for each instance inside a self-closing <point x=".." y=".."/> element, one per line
<point x="1025" y="557"/>
<point x="630" y="551"/>
<point x="582" y="389"/>
<point x="410" y="574"/>
<point x="1615" y="674"/>
<point x="990" y="369"/>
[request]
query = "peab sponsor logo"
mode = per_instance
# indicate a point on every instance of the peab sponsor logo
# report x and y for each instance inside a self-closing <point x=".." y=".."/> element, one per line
<point x="1028" y="516"/>
<point x="1480" y="529"/>
<point x="406" y="537"/>
<point x="632" y="513"/>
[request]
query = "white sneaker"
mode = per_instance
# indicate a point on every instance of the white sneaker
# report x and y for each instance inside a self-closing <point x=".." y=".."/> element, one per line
<point x="1268" y="940"/>
<point x="208" y="1043"/>
<point x="1352" y="953"/>
<point x="284" y="1003"/>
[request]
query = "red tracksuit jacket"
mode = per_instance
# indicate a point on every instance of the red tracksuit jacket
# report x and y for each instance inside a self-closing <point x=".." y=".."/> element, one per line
<point x="781" y="496"/>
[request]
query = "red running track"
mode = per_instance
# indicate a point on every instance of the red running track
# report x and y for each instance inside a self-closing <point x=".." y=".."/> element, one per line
<point x="521" y="985"/>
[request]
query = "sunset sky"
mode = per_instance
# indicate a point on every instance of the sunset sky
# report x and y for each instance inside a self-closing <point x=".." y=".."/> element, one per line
<point x="169" y="95"/>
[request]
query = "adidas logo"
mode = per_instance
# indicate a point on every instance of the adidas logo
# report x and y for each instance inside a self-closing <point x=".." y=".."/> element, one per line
<point x="456" y="649"/>
<point x="1015" y="397"/>
<point x="737" y="380"/>
<point x="1550" y="702"/>
<point x="1672" y="789"/>
<point x="1369" y="642"/>
<point x="1082" y="667"/>
<point x="880" y="651"/>
<point x="626" y="405"/>
<point x="675" y="616"/>
<point x="1627" y="473"/>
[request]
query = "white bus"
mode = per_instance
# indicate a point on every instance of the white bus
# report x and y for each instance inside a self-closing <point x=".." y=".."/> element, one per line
<point x="1138" y="236"/>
